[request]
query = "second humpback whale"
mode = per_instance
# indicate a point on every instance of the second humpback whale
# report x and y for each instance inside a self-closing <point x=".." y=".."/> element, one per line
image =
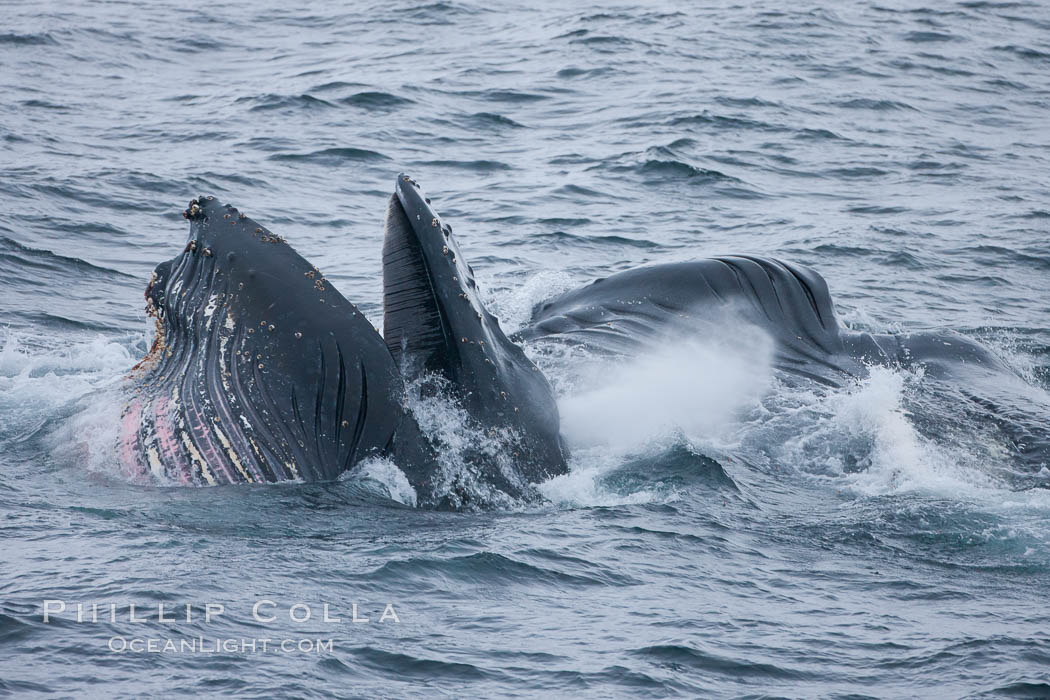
<point x="638" y="310"/>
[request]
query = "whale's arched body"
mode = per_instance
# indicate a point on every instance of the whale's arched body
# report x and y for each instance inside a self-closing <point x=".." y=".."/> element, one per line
<point x="633" y="310"/>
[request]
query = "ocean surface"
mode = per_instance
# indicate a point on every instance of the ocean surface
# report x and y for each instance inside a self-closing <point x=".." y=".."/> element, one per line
<point x="720" y="534"/>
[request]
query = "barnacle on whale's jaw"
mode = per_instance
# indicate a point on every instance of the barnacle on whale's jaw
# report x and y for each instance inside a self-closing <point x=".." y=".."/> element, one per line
<point x="193" y="211"/>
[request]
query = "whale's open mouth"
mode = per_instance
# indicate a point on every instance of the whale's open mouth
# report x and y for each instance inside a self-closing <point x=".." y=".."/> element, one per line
<point x="417" y="322"/>
<point x="434" y="317"/>
<point x="261" y="371"/>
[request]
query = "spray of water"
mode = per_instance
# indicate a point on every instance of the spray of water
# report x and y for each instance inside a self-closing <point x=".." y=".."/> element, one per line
<point x="514" y="307"/>
<point x="463" y="448"/>
<point x="694" y="386"/>
<point x="864" y="438"/>
<point x="684" y="388"/>
<point x="63" y="398"/>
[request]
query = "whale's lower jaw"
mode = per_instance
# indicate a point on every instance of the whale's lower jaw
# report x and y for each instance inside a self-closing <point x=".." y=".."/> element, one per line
<point x="261" y="371"/>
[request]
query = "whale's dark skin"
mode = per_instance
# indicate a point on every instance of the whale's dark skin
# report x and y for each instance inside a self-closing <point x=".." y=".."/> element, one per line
<point x="435" y="324"/>
<point x="261" y="371"/>
<point x="633" y="312"/>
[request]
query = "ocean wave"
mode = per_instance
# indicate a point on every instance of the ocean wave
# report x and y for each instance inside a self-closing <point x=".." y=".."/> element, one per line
<point x="333" y="156"/>
<point x="35" y="39"/>
<point x="493" y="569"/>
<point x="375" y="100"/>
<point x="304" y="101"/>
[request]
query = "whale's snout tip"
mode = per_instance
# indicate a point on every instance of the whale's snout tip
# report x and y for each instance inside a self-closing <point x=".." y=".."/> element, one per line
<point x="411" y="195"/>
<point x="195" y="209"/>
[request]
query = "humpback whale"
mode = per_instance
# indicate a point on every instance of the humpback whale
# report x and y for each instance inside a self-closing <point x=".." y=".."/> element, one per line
<point x="637" y="308"/>
<point x="261" y="371"/>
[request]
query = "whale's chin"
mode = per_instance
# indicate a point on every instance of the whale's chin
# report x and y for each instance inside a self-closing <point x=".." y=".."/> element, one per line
<point x="260" y="370"/>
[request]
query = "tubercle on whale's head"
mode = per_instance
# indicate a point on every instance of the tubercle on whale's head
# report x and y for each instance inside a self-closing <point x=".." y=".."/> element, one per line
<point x="220" y="237"/>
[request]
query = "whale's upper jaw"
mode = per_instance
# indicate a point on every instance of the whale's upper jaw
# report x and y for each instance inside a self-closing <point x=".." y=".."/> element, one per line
<point x="433" y="311"/>
<point x="435" y="322"/>
<point x="431" y="302"/>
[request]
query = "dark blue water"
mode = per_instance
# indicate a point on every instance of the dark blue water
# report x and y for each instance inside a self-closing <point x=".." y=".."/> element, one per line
<point x="720" y="534"/>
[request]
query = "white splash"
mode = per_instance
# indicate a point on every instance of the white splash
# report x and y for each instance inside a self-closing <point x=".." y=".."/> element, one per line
<point x="73" y="385"/>
<point x="34" y="380"/>
<point x="514" y="306"/>
<point x="584" y="487"/>
<point x="460" y="443"/>
<point x="871" y="423"/>
<point x="691" y="386"/>
<point x="684" y="388"/>
<point x="386" y="476"/>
